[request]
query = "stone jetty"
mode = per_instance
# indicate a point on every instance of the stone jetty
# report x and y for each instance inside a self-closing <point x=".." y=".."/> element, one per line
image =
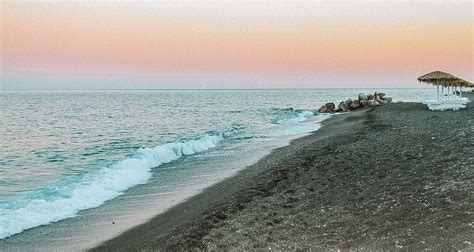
<point x="362" y="101"/>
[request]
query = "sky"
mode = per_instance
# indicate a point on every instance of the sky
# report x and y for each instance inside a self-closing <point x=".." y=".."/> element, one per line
<point x="203" y="44"/>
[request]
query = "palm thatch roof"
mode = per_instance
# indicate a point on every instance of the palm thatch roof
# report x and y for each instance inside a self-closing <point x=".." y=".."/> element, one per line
<point x="464" y="83"/>
<point x="442" y="78"/>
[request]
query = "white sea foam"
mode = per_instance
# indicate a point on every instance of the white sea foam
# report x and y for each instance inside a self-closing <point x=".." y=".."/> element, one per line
<point x="296" y="129"/>
<point x="93" y="189"/>
<point x="307" y="123"/>
<point x="294" y="117"/>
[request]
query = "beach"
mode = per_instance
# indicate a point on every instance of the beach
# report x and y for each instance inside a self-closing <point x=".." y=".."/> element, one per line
<point x="222" y="125"/>
<point x="396" y="176"/>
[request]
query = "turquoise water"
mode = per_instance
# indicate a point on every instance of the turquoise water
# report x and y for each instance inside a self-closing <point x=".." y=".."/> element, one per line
<point x="66" y="151"/>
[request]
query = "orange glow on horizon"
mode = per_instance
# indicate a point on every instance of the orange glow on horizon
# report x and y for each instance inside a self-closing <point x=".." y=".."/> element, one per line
<point x="389" y="37"/>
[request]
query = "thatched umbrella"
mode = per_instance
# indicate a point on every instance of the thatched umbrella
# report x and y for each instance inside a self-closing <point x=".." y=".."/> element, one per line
<point x="439" y="78"/>
<point x="459" y="84"/>
<point x="468" y="85"/>
<point x="464" y="83"/>
<point x="444" y="79"/>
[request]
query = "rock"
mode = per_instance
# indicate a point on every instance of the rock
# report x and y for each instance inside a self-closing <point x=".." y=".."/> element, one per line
<point x="331" y="106"/>
<point x="343" y="107"/>
<point x="323" y="109"/>
<point x="376" y="96"/>
<point x="354" y="105"/>
<point x="364" y="103"/>
<point x="376" y="102"/>
<point x="387" y="99"/>
<point x="327" y="108"/>
<point x="348" y="102"/>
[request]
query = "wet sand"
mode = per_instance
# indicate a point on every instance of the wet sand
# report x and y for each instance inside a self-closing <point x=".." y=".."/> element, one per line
<point x="391" y="177"/>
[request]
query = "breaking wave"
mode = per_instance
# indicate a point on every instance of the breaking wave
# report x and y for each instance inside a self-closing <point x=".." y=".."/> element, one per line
<point x="66" y="199"/>
<point x="290" y="117"/>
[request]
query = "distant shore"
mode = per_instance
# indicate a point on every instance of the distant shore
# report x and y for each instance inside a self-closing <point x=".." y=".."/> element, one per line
<point x="396" y="176"/>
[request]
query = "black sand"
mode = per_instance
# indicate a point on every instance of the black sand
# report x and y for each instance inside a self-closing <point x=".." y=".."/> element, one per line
<point x="395" y="176"/>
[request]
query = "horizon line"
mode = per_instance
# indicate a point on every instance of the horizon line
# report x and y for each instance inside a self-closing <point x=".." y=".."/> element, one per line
<point x="177" y="89"/>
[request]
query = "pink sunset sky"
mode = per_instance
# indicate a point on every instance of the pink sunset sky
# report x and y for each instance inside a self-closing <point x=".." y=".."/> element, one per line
<point x="233" y="44"/>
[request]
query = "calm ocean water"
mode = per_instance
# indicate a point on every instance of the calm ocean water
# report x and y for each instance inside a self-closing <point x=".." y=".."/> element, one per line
<point x="65" y="151"/>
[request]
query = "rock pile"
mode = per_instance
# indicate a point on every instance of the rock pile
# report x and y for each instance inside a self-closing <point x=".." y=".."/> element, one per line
<point x="363" y="101"/>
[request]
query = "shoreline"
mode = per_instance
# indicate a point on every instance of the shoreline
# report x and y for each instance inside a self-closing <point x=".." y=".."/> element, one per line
<point x="322" y="192"/>
<point x="198" y="205"/>
<point x="169" y="185"/>
<point x="142" y="202"/>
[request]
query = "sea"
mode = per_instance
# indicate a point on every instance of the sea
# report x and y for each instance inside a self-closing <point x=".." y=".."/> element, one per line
<point x="78" y="167"/>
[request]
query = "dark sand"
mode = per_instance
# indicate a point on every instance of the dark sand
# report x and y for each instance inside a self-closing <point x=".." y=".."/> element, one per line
<point x="394" y="176"/>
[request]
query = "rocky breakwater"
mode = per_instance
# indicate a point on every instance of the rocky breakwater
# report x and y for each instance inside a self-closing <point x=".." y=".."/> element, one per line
<point x="362" y="101"/>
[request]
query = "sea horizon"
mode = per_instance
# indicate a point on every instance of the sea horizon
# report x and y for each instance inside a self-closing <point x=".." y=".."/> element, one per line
<point x="177" y="89"/>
